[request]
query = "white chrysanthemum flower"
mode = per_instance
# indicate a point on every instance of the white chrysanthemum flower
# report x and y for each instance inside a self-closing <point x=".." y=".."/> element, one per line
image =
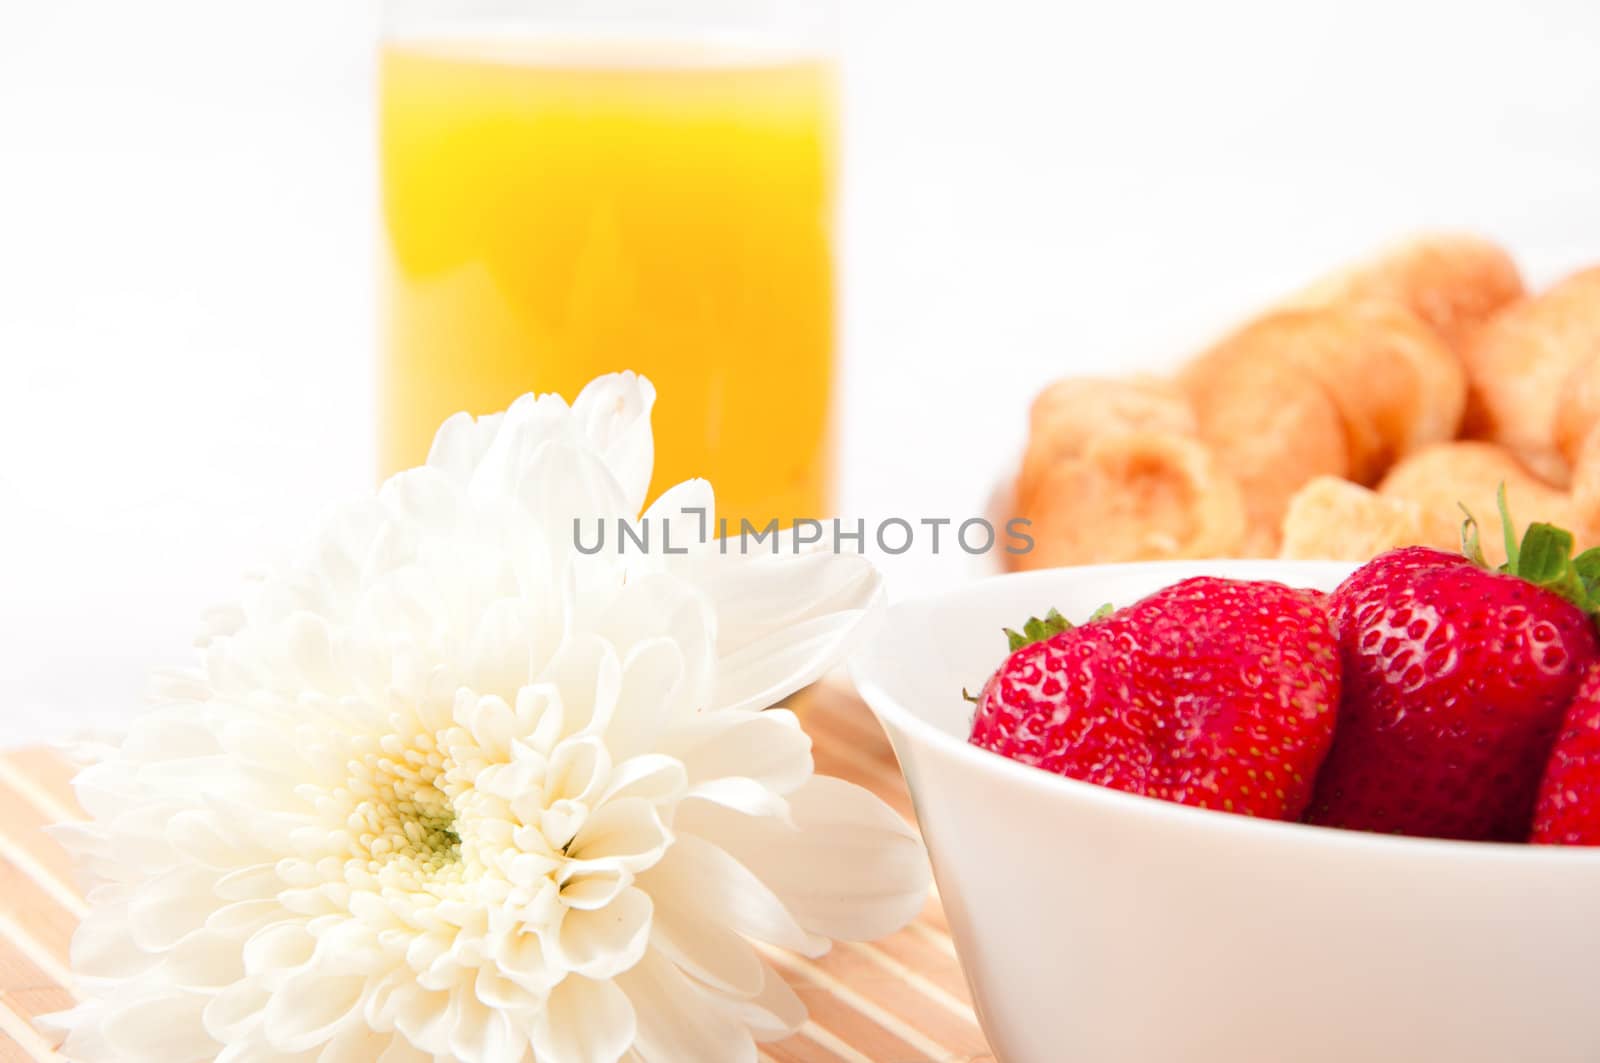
<point x="447" y="788"/>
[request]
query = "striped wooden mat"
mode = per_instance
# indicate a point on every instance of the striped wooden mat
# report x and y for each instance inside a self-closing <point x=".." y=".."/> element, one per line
<point x="900" y="1000"/>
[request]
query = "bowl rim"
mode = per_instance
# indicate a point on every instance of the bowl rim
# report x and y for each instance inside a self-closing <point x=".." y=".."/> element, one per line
<point x="875" y="685"/>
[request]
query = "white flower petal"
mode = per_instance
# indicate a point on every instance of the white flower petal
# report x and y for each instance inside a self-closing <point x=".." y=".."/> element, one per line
<point x="273" y="953"/>
<point x="248" y="882"/>
<point x="679" y="524"/>
<point x="773" y="1013"/>
<point x="741" y="795"/>
<point x="234" y="1012"/>
<point x="705" y="947"/>
<point x="201" y="835"/>
<point x="614" y="412"/>
<point x="484" y="1033"/>
<point x="603" y="942"/>
<point x="206" y="959"/>
<point x="422" y="1016"/>
<point x="84" y="1037"/>
<point x="421" y="501"/>
<point x="567" y="487"/>
<point x="531" y="424"/>
<point x="878" y="873"/>
<point x="460" y="442"/>
<point x="591" y="889"/>
<point x="309" y="1009"/>
<point x="698" y="883"/>
<point x="579" y="770"/>
<point x="443" y="784"/>
<point x="490" y="722"/>
<point x="244" y="918"/>
<point x="561" y="821"/>
<point x="505" y="994"/>
<point x="158" y="1029"/>
<point x="400" y="1050"/>
<point x="627" y="832"/>
<point x="769" y="747"/>
<point x="768" y="670"/>
<point x="174" y="732"/>
<point x="585" y="1022"/>
<point x="259" y="744"/>
<point x="662" y="998"/>
<point x="588" y="674"/>
<point x="103" y="948"/>
<point x="164" y="909"/>
<point x="758" y="593"/>
<point x="308" y="651"/>
<point x="360" y="1044"/>
<point x="658" y="606"/>
<point x="654" y="691"/>
<point x="541" y="704"/>
<point x="513" y="640"/>
<point x="653" y="777"/>
<point x="521" y="957"/>
<point x="397" y="1002"/>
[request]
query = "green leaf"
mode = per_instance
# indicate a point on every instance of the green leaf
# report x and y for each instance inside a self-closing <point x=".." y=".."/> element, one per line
<point x="1587" y="565"/>
<point x="1545" y="557"/>
<point x="1570" y="587"/>
<point x="1471" y="547"/>
<point x="1037" y="630"/>
<point x="1507" y="528"/>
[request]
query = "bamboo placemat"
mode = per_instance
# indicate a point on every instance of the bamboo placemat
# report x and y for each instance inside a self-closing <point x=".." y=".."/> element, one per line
<point x="900" y="1000"/>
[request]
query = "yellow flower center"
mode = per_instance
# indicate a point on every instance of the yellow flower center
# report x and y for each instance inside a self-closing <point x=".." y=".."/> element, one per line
<point x="402" y="818"/>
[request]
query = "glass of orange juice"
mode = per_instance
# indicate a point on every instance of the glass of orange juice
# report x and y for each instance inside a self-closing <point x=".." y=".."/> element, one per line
<point x="573" y="187"/>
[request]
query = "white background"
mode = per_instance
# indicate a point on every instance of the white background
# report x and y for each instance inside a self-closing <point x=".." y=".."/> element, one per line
<point x="187" y="244"/>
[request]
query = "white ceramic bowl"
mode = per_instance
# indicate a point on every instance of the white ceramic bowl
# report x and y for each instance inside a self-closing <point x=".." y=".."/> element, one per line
<point x="1100" y="927"/>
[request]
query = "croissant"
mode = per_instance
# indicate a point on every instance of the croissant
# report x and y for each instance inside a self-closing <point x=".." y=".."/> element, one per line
<point x="1069" y="414"/>
<point x="1452" y="281"/>
<point x="1335" y="519"/>
<point x="1327" y="427"/>
<point x="1444" y="479"/>
<point x="1520" y="363"/>
<point x="1338" y="390"/>
<point x="1397" y="386"/>
<point x="1578" y="409"/>
<point x="1583" y="495"/>
<point x="1129" y="496"/>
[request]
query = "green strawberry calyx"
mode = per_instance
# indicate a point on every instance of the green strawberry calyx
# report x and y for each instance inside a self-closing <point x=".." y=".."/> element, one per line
<point x="1543" y="557"/>
<point x="1039" y="629"/>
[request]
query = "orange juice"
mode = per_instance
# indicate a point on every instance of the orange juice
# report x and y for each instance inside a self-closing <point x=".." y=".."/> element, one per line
<point x="554" y="213"/>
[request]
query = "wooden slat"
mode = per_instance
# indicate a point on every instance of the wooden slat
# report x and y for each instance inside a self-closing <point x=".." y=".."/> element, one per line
<point x="11" y="1052"/>
<point x="899" y="1000"/>
<point x="40" y="915"/>
<point x="29" y="989"/>
<point x="45" y="780"/>
<point x="25" y="1041"/>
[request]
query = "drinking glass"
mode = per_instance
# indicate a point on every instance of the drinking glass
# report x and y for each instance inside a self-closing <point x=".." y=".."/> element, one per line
<point x="572" y="188"/>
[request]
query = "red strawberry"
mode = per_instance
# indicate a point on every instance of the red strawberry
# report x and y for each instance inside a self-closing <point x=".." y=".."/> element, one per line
<point x="1455" y="680"/>
<point x="1212" y="692"/>
<point x="1568" y="808"/>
